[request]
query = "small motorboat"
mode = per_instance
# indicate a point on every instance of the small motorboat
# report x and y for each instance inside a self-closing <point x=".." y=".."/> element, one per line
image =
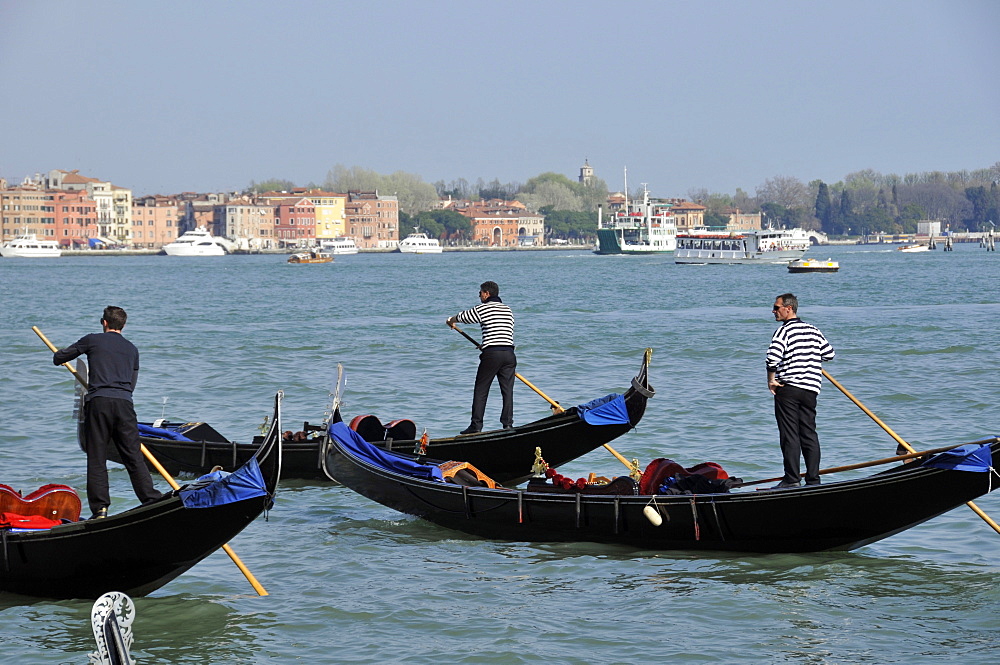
<point x="813" y="265"/>
<point x="914" y="248"/>
<point x="312" y="256"/>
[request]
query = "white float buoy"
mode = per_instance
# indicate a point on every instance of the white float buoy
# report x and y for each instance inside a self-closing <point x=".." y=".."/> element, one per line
<point x="653" y="515"/>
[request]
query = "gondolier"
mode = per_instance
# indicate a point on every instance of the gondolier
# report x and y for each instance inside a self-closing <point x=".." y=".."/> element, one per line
<point x="497" y="358"/>
<point x="110" y="415"/>
<point x="794" y="376"/>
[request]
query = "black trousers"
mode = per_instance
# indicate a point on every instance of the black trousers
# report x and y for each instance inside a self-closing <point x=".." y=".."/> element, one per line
<point x="108" y="420"/>
<point x="501" y="363"/>
<point x="795" y="411"/>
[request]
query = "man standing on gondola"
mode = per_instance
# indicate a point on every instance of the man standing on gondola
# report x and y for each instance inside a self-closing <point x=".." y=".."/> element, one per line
<point x="109" y="415"/>
<point x="497" y="358"/>
<point x="794" y="375"/>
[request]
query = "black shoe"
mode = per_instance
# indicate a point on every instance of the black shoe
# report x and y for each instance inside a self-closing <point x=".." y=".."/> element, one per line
<point x="153" y="500"/>
<point x="469" y="430"/>
<point x="508" y="427"/>
<point x="812" y="483"/>
<point x="99" y="514"/>
<point x="783" y="485"/>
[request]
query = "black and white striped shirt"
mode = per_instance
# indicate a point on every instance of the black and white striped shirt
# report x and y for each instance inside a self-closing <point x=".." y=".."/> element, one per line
<point x="496" y="320"/>
<point x="797" y="353"/>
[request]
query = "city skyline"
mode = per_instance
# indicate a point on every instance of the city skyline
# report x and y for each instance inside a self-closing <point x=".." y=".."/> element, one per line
<point x="719" y="96"/>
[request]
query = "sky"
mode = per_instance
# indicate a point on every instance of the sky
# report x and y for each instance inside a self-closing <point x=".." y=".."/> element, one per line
<point x="165" y="97"/>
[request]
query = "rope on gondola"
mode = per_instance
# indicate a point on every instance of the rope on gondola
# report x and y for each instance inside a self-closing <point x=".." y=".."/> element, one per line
<point x="694" y="516"/>
<point x="578" y="495"/>
<point x="617" y="512"/>
<point x="718" y="522"/>
<point x="465" y="498"/>
<point x="520" y="506"/>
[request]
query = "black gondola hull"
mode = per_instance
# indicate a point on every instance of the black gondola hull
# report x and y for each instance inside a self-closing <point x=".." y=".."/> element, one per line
<point x="506" y="455"/>
<point x="833" y="516"/>
<point x="136" y="551"/>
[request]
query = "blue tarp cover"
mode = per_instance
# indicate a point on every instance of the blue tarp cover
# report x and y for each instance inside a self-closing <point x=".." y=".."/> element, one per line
<point x="222" y="488"/>
<point x="161" y="433"/>
<point x="970" y="457"/>
<point x="607" y="410"/>
<point x="353" y="443"/>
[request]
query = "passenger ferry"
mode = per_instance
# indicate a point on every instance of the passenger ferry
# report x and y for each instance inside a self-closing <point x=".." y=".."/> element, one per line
<point x="28" y="246"/>
<point x="340" y="245"/>
<point x="419" y="243"/>
<point x="702" y="246"/>
<point x="642" y="228"/>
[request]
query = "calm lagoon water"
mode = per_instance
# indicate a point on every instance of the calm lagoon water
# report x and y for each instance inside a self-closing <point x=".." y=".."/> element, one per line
<point x="350" y="581"/>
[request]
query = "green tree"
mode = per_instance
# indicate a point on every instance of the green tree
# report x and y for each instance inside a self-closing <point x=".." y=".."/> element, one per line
<point x="272" y="185"/>
<point x="824" y="208"/>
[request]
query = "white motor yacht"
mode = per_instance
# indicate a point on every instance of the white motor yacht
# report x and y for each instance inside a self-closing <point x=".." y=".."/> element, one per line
<point x="198" y="242"/>
<point x="28" y="246"/>
<point x="340" y="245"/>
<point x="419" y="243"/>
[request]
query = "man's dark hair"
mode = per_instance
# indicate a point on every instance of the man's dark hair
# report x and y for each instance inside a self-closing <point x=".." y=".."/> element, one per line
<point x="115" y="317"/>
<point x="490" y="287"/>
<point x="789" y="300"/>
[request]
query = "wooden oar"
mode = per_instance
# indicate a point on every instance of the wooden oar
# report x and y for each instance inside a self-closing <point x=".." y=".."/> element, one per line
<point x="976" y="509"/>
<point x="862" y="465"/>
<point x="555" y="405"/>
<point x="163" y="472"/>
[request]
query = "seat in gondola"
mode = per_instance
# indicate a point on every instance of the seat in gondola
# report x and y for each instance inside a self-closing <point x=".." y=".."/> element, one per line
<point x="372" y="430"/>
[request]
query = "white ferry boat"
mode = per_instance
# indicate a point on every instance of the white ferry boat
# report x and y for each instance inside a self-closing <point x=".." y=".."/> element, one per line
<point x="28" y="246"/>
<point x="340" y="245"/>
<point x="910" y="249"/>
<point x="419" y="243"/>
<point x="756" y="246"/>
<point x="198" y="242"/>
<point x="641" y="228"/>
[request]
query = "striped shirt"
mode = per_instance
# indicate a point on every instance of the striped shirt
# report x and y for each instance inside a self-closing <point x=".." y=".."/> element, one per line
<point x="496" y="320"/>
<point x="797" y="353"/>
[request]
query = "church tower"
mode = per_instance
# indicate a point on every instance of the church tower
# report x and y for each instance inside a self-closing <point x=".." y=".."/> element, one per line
<point x="586" y="172"/>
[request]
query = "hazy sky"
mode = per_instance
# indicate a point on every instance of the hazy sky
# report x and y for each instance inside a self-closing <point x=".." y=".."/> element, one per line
<point x="163" y="97"/>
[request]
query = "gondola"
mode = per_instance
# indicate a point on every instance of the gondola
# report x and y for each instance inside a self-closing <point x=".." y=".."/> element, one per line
<point x="506" y="455"/>
<point x="841" y="515"/>
<point x="142" y="549"/>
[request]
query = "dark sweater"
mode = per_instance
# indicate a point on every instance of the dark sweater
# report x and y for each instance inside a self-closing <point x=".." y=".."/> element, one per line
<point x="113" y="360"/>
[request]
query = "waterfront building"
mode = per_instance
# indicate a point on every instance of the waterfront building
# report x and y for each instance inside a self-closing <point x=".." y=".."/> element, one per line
<point x="248" y="223"/>
<point x="687" y="215"/>
<point x="114" y="204"/>
<point x="742" y="221"/>
<point x="329" y="207"/>
<point x="295" y="223"/>
<point x="75" y="218"/>
<point x="372" y="219"/>
<point x="497" y="223"/>
<point x="155" y="221"/>
<point x="26" y="209"/>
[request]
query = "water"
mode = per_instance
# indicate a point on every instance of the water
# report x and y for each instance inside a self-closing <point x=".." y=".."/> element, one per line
<point x="351" y="581"/>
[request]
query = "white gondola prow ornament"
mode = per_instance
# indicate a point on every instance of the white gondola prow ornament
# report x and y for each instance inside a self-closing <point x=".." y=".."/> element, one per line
<point x="111" y="619"/>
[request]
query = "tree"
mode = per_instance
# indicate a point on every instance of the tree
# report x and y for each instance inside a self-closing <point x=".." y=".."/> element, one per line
<point x="824" y="208"/>
<point x="414" y="195"/>
<point x="272" y="185"/>
<point x="784" y="191"/>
